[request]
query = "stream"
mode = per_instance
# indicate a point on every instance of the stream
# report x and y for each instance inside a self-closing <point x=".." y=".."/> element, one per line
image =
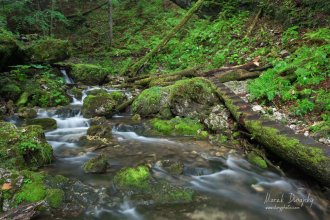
<point x="228" y="186"/>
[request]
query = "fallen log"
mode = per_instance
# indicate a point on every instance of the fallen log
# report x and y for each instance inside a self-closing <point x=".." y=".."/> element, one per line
<point x="22" y="212"/>
<point x="311" y="157"/>
<point x="236" y="75"/>
<point x="87" y="12"/>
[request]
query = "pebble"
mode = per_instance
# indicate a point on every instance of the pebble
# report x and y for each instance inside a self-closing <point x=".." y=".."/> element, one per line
<point x="256" y="108"/>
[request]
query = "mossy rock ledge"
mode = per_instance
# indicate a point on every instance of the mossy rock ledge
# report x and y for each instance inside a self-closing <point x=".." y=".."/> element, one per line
<point x="48" y="50"/>
<point x="45" y="123"/>
<point x="23" y="148"/>
<point x="88" y="74"/>
<point x="303" y="152"/>
<point x="10" y="51"/>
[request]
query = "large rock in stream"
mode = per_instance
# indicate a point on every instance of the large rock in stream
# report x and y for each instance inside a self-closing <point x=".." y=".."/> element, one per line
<point x="187" y="97"/>
<point x="102" y="103"/>
<point x="88" y="74"/>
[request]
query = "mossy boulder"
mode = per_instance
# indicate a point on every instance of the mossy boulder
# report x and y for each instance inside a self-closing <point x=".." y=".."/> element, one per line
<point x="27" y="113"/>
<point x="185" y="98"/>
<point x="139" y="184"/>
<point x="45" y="123"/>
<point x="103" y="131"/>
<point x="102" y="103"/>
<point x="48" y="50"/>
<point x="97" y="164"/>
<point x="255" y="159"/>
<point x="23" y="148"/>
<point x="151" y="101"/>
<point x="89" y="74"/>
<point x="191" y="96"/>
<point x="10" y="51"/>
<point x="177" y="126"/>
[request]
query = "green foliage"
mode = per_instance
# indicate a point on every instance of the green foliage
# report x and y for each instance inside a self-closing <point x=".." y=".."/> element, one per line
<point x="290" y="34"/>
<point x="26" y="17"/>
<point x="303" y="107"/>
<point x="321" y="34"/>
<point x="294" y="78"/>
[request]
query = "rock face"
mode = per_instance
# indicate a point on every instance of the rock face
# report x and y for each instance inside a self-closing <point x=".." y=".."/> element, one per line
<point x="58" y="194"/>
<point x="88" y="74"/>
<point x="97" y="164"/>
<point x="9" y="49"/>
<point x="102" y="103"/>
<point x="23" y="148"/>
<point x="45" y="123"/>
<point x="47" y="50"/>
<point x="217" y="120"/>
<point x="185" y="98"/>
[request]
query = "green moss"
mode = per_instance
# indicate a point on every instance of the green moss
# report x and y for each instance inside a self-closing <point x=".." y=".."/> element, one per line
<point x="133" y="178"/>
<point x="101" y="104"/>
<point x="23" y="147"/>
<point x="149" y="102"/>
<point x="98" y="164"/>
<point x="163" y="192"/>
<point x="55" y="197"/>
<point x="89" y="74"/>
<point x="48" y="50"/>
<point x="289" y="147"/>
<point x="177" y="126"/>
<point x="118" y="96"/>
<point x="33" y="189"/>
<point x="45" y="123"/>
<point x="257" y="160"/>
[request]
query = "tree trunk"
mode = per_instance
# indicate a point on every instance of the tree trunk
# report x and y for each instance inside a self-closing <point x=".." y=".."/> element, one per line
<point x="137" y="67"/>
<point x="110" y="23"/>
<point x="52" y="18"/>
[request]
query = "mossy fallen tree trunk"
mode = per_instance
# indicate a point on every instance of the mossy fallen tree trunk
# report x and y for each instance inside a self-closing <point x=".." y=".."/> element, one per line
<point x="225" y="74"/>
<point x="311" y="157"/>
<point x="136" y="68"/>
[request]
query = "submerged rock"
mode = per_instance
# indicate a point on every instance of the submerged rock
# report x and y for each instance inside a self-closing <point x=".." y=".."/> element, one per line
<point x="23" y="148"/>
<point x="172" y="167"/>
<point x="45" y="123"/>
<point x="102" y="103"/>
<point x="48" y="50"/>
<point x="89" y="74"/>
<point x="139" y="184"/>
<point x="97" y="164"/>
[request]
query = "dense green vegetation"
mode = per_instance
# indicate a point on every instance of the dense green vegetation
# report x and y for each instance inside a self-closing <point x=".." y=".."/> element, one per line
<point x="290" y="39"/>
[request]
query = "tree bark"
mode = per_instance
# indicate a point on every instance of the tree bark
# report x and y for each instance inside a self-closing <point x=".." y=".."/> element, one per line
<point x="22" y="212"/>
<point x="137" y="67"/>
<point x="110" y="23"/>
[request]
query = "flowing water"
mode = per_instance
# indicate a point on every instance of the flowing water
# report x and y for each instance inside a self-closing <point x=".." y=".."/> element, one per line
<point x="229" y="187"/>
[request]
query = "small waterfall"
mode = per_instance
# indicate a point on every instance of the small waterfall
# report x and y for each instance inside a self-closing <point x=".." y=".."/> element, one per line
<point x="67" y="79"/>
